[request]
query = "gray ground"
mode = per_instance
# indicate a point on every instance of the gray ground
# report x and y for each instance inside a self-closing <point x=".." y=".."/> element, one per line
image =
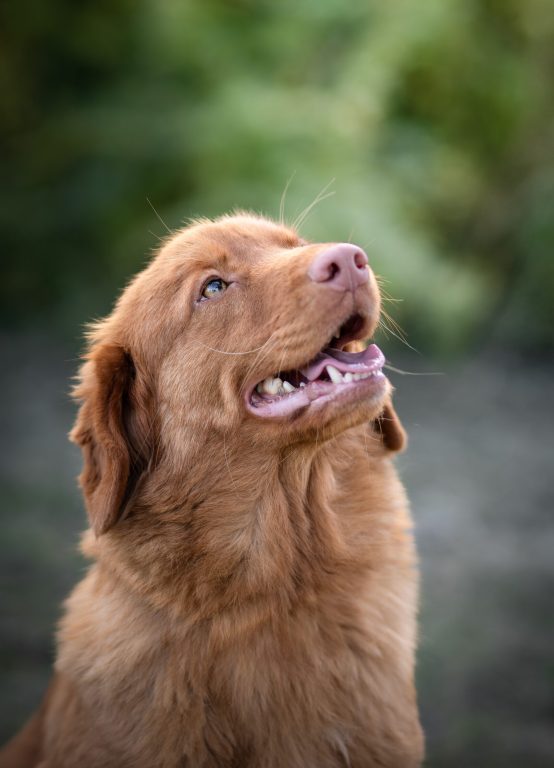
<point x="479" y="472"/>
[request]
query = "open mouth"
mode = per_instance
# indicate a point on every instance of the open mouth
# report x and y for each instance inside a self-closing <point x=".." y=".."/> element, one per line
<point x="330" y="375"/>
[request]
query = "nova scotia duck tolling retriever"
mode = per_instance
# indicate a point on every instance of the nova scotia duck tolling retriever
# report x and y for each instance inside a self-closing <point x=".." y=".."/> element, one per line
<point x="252" y="595"/>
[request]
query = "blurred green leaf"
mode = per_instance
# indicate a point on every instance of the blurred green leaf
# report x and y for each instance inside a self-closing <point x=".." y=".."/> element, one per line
<point x="435" y="120"/>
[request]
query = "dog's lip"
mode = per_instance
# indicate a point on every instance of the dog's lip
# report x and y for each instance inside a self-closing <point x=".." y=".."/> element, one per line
<point x="365" y="366"/>
<point x="318" y="394"/>
<point x="367" y="361"/>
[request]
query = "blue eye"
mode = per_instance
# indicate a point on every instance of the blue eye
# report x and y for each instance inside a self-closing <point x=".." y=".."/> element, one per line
<point x="212" y="288"/>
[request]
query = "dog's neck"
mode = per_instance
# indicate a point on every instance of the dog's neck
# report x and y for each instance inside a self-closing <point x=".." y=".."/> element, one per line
<point x="245" y="529"/>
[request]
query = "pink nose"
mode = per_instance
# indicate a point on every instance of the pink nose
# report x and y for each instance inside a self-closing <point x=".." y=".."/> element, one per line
<point x="342" y="267"/>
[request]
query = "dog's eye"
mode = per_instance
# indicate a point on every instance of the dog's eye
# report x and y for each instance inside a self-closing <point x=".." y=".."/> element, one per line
<point x="213" y="287"/>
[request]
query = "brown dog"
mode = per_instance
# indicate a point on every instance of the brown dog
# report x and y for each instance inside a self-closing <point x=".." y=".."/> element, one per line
<point x="253" y="592"/>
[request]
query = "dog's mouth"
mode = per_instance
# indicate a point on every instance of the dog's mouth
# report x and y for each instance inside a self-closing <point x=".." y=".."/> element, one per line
<point x="332" y="374"/>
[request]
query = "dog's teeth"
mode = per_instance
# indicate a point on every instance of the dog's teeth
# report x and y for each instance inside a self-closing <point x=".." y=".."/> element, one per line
<point x="358" y="376"/>
<point x="334" y="374"/>
<point x="273" y="386"/>
<point x="266" y="385"/>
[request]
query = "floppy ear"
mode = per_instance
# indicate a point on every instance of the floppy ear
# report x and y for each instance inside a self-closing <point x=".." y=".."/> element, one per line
<point x="114" y="429"/>
<point x="391" y="430"/>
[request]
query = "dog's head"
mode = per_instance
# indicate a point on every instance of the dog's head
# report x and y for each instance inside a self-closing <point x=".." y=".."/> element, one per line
<point x="238" y="334"/>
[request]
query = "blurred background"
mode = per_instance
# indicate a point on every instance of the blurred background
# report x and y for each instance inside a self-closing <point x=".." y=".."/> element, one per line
<point x="426" y="130"/>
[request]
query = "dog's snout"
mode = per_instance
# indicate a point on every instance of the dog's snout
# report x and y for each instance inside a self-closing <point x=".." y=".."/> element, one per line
<point x="343" y="267"/>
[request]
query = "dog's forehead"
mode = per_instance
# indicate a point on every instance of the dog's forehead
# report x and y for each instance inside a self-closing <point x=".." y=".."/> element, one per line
<point x="243" y="236"/>
<point x="242" y="231"/>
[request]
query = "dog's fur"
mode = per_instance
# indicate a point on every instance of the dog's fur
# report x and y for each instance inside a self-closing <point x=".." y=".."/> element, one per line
<point x="252" y="597"/>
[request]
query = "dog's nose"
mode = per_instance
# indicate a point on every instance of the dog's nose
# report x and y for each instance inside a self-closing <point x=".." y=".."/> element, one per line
<point x="343" y="267"/>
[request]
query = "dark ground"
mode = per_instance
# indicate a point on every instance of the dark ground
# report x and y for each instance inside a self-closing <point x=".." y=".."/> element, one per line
<point x="479" y="472"/>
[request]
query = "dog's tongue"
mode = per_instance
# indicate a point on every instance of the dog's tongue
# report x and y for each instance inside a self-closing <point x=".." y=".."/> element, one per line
<point x="369" y="360"/>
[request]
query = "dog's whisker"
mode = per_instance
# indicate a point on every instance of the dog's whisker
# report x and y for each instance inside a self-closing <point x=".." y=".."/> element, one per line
<point x="299" y="222"/>
<point x="270" y="340"/>
<point x="159" y="217"/>
<point x="394" y="324"/>
<point x="412" y="373"/>
<point x="157" y="237"/>
<point x="283" y="198"/>
<point x="225" y="352"/>
<point x="318" y="199"/>
<point x="390" y="299"/>
<point x="387" y="329"/>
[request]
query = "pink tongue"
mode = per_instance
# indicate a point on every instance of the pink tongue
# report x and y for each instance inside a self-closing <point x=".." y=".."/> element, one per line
<point x="369" y="360"/>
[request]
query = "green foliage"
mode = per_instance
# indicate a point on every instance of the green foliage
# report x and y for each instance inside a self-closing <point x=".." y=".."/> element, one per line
<point x="434" y="119"/>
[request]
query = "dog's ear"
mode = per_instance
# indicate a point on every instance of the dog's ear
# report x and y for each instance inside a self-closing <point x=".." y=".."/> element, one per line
<point x="114" y="430"/>
<point x="391" y="430"/>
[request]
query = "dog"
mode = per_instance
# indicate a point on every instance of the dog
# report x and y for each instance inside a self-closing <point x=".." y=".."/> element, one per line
<point x="253" y="591"/>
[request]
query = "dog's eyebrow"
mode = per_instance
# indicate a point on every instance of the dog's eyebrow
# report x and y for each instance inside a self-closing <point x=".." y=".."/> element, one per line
<point x="210" y="252"/>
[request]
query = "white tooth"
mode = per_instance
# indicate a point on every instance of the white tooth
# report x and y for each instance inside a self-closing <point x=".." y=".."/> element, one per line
<point x="348" y="377"/>
<point x="271" y="386"/>
<point x="302" y="384"/>
<point x="357" y="376"/>
<point x="260" y="388"/>
<point x="334" y="374"/>
<point x="275" y="386"/>
<point x="287" y="386"/>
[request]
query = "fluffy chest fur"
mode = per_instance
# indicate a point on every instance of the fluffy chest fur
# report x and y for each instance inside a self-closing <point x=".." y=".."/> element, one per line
<point x="314" y="670"/>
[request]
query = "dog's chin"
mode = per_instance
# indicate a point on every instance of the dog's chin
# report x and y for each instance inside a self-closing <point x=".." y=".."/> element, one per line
<point x="330" y="415"/>
<point x="335" y="410"/>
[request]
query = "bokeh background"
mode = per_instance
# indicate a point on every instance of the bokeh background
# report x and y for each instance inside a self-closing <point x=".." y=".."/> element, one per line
<point x="426" y="130"/>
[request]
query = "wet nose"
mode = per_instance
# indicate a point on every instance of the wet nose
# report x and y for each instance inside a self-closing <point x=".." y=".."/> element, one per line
<point x="342" y="267"/>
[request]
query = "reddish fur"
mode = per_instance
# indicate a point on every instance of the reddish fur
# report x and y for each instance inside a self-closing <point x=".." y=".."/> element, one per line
<point x="253" y="592"/>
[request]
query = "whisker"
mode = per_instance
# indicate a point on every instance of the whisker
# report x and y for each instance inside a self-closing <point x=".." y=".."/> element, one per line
<point x="283" y="198"/>
<point x="413" y="373"/>
<point x="284" y="351"/>
<point x="392" y="322"/>
<point x="319" y="197"/>
<point x="381" y="279"/>
<point x="225" y="352"/>
<point x="158" y="215"/>
<point x="385" y="294"/>
<point x="389" y="330"/>
<point x="158" y="238"/>
<point x="391" y="299"/>
<point x="260" y="358"/>
<point x="298" y="223"/>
